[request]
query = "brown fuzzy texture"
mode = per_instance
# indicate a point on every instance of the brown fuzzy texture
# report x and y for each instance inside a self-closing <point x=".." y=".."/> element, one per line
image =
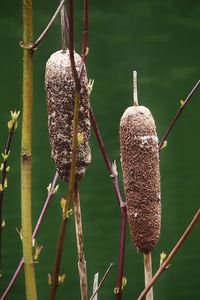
<point x="141" y="176"/>
<point x="60" y="92"/>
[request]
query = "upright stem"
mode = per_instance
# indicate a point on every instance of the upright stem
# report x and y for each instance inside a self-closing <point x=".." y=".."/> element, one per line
<point x="26" y="216"/>
<point x="121" y="253"/>
<point x="148" y="274"/>
<point x="135" y="91"/>
<point x="80" y="246"/>
<point x="85" y="30"/>
<point x="63" y="29"/>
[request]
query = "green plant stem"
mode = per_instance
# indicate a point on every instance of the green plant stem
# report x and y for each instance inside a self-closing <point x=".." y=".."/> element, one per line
<point x="82" y="267"/>
<point x="26" y="217"/>
<point x="176" y="248"/>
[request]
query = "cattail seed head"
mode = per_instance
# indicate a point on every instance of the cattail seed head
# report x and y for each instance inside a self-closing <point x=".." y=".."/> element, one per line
<point x="60" y="94"/>
<point x="141" y="176"/>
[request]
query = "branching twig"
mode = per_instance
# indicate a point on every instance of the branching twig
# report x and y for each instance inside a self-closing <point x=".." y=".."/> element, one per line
<point x="51" y="192"/>
<point x="12" y="125"/>
<point x="176" y="248"/>
<point x="177" y="115"/>
<point x="80" y="246"/>
<point x="43" y="34"/>
<point x="114" y="175"/>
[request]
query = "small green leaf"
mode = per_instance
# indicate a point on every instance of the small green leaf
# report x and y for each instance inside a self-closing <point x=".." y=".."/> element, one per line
<point x="49" y="188"/>
<point x="90" y="86"/>
<point x="38" y="249"/>
<point x="61" y="279"/>
<point x="5" y="155"/>
<point x="49" y="280"/>
<point x="80" y="139"/>
<point x="124" y="282"/>
<point x="116" y="290"/>
<point x="163" y="257"/>
<point x="164" y="145"/>
<point x="3" y="224"/>
<point x="56" y="189"/>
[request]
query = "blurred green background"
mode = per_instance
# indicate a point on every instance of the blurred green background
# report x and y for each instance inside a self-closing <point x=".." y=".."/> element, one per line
<point x="161" y="41"/>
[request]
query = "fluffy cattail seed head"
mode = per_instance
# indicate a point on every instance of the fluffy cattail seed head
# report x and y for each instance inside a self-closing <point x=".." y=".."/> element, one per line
<point x="60" y="93"/>
<point x="141" y="176"/>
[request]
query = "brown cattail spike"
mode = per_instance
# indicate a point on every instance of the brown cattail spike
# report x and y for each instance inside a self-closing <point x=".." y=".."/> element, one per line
<point x="60" y="92"/>
<point x="141" y="176"/>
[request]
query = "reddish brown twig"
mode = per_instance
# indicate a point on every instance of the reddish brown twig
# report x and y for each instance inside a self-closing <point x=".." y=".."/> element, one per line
<point x="122" y="205"/>
<point x="176" y="248"/>
<point x="85" y="30"/>
<point x="4" y="171"/>
<point x="178" y="113"/>
<point x="39" y="222"/>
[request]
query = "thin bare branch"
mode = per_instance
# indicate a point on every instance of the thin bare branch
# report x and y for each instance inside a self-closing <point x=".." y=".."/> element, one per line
<point x="39" y="222"/>
<point x="43" y="34"/>
<point x="176" y="248"/>
<point x="102" y="281"/>
<point x="178" y="113"/>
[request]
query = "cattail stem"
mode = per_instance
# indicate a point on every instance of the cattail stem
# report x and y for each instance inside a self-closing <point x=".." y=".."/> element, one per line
<point x="148" y="274"/>
<point x="135" y="91"/>
<point x="26" y="216"/>
<point x="80" y="246"/>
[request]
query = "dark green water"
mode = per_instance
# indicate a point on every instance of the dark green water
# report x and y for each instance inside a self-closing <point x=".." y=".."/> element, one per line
<point x="159" y="40"/>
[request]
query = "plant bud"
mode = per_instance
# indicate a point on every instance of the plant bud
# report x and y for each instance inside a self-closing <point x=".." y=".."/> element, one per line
<point x="141" y="176"/>
<point x="60" y="94"/>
